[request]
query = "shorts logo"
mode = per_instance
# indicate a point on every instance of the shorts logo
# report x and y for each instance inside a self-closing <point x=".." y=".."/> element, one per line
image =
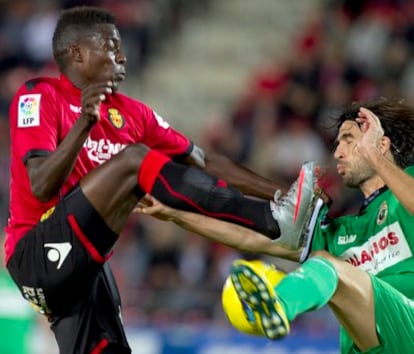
<point x="57" y="252"/>
<point x="28" y="111"/>
<point x="115" y="118"/>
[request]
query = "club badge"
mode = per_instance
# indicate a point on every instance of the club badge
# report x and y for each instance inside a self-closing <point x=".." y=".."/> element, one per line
<point x="382" y="213"/>
<point x="116" y="118"/>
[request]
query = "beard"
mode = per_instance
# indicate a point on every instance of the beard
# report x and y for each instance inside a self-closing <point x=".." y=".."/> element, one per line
<point x="358" y="173"/>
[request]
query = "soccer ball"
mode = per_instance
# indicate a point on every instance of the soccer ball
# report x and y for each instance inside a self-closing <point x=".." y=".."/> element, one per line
<point x="239" y="313"/>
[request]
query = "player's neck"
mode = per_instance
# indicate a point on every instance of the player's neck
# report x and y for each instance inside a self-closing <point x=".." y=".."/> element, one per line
<point x="371" y="186"/>
<point x="76" y="79"/>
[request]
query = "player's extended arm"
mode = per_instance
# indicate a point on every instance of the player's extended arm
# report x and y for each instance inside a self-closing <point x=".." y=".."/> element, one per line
<point x="236" y="175"/>
<point x="229" y="234"/>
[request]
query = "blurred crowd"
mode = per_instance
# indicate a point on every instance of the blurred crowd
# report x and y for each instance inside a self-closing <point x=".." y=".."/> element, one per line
<point x="346" y="51"/>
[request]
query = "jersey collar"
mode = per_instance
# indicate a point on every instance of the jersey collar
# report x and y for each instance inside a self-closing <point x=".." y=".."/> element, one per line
<point x="72" y="89"/>
<point x="371" y="197"/>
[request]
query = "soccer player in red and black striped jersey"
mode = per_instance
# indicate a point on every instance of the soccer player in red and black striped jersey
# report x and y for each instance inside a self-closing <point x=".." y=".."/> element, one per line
<point x="82" y="156"/>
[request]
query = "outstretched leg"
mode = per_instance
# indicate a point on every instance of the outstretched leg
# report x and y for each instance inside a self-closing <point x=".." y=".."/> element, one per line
<point x="112" y="189"/>
<point x="321" y="280"/>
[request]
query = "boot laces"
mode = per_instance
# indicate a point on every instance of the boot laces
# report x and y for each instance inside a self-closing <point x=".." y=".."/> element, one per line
<point x="280" y="200"/>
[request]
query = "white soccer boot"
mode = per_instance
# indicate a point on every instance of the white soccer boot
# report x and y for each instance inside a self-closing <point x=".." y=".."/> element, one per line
<point x="294" y="210"/>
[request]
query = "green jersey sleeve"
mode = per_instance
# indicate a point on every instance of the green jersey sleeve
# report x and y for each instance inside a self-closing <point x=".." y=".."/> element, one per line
<point x="320" y="235"/>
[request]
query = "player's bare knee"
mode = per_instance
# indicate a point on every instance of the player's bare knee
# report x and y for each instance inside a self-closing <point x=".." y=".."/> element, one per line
<point x="323" y="254"/>
<point x="352" y="282"/>
<point x="133" y="155"/>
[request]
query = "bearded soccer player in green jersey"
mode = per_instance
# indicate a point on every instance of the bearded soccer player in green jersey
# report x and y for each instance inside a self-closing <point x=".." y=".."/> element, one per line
<point x="361" y="265"/>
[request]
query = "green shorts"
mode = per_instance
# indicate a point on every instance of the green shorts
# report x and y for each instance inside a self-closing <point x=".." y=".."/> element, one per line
<point x="394" y="317"/>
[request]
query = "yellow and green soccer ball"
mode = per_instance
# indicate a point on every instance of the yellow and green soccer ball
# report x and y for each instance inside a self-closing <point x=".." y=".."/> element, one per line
<point x="240" y="314"/>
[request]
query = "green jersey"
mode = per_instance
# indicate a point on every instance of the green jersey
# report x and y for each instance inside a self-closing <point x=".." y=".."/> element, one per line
<point x="380" y="241"/>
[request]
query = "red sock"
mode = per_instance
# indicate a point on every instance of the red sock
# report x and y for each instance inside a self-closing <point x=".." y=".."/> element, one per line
<point x="150" y="168"/>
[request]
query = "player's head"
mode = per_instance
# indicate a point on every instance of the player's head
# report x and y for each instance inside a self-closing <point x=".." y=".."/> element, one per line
<point x="87" y="46"/>
<point x="397" y="120"/>
<point x="239" y="314"/>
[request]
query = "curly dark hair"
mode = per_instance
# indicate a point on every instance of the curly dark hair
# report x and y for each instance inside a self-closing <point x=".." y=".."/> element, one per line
<point x="397" y="120"/>
<point x="73" y="25"/>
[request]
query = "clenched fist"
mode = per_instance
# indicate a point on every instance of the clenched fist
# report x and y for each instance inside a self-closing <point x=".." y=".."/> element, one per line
<point x="92" y="96"/>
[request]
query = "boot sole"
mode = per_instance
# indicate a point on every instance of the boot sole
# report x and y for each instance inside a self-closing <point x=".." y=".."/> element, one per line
<point x="258" y="293"/>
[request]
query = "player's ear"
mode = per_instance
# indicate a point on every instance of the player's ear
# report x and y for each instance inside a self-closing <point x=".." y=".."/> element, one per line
<point x="75" y="53"/>
<point x="385" y="144"/>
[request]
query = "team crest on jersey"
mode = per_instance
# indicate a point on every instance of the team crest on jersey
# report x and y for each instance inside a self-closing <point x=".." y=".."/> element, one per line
<point x="29" y="111"/>
<point x="116" y="118"/>
<point x="382" y="213"/>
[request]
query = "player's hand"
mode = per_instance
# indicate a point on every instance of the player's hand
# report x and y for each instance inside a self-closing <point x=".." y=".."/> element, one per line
<point x="372" y="131"/>
<point x="92" y="96"/>
<point x="151" y="206"/>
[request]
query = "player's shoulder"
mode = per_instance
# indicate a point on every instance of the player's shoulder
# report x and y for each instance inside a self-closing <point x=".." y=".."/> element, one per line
<point x="39" y="85"/>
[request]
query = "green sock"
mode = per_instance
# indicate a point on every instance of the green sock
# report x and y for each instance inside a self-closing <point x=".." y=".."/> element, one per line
<point x="307" y="288"/>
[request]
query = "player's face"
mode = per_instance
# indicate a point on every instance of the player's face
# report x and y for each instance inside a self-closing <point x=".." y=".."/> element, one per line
<point x="103" y="57"/>
<point x="350" y="165"/>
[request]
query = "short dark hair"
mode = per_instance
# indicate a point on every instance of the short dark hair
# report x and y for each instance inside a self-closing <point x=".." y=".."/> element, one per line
<point x="72" y="24"/>
<point x="397" y="120"/>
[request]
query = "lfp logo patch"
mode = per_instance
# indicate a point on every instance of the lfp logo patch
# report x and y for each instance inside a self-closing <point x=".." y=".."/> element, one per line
<point x="115" y="118"/>
<point x="28" y="111"/>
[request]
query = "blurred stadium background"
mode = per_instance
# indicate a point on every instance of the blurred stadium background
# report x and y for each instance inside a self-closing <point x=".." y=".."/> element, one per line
<point x="256" y="80"/>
